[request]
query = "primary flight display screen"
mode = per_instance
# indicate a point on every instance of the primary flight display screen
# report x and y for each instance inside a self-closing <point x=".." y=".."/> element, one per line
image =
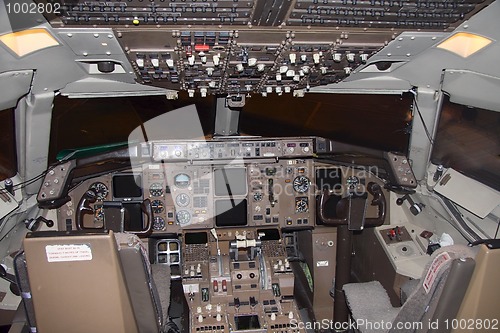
<point x="230" y="181"/>
<point x="230" y="213"/>
<point x="126" y="186"/>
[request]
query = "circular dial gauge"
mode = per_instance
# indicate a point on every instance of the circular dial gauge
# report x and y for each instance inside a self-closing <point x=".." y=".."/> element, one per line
<point x="301" y="205"/>
<point x="301" y="184"/>
<point x="157" y="206"/>
<point x="257" y="196"/>
<point x="182" y="180"/>
<point x="156" y="190"/>
<point x="158" y="223"/>
<point x="183" y="217"/>
<point x="100" y="189"/>
<point x="352" y="182"/>
<point x="182" y="200"/>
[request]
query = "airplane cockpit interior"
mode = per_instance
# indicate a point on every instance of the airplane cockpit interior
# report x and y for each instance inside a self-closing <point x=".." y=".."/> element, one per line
<point x="249" y="166"/>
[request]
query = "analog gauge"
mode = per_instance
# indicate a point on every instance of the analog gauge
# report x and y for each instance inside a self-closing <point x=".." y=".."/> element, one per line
<point x="182" y="180"/>
<point x="182" y="200"/>
<point x="257" y="196"/>
<point x="157" y="206"/>
<point x="301" y="205"/>
<point x="183" y="217"/>
<point x="100" y="190"/>
<point x="352" y="182"/>
<point x="301" y="184"/>
<point x="158" y="223"/>
<point x="156" y="190"/>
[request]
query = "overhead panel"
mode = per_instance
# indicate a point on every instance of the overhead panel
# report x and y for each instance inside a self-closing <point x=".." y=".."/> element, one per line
<point x="170" y="12"/>
<point x="245" y="61"/>
<point x="256" y="46"/>
<point x="396" y="14"/>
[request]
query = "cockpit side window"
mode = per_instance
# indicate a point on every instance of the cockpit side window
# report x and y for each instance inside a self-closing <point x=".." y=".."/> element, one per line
<point x="8" y="156"/>
<point x="373" y="121"/>
<point x="468" y="140"/>
<point x="78" y="123"/>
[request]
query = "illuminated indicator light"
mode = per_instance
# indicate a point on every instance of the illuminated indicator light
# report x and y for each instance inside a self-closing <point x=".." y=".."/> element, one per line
<point x="28" y="41"/>
<point x="464" y="44"/>
<point x="201" y="48"/>
<point x="135" y="21"/>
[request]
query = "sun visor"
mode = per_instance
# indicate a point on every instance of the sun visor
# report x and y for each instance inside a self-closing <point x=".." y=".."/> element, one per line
<point x="94" y="88"/>
<point x="472" y="195"/>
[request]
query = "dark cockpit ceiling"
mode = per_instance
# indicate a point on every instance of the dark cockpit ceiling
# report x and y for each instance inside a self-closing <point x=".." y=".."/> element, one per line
<point x="255" y="46"/>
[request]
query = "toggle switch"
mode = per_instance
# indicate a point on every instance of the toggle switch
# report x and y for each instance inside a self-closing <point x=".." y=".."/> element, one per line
<point x="316" y="58"/>
<point x="216" y="59"/>
<point x="252" y="62"/>
<point x="215" y="286"/>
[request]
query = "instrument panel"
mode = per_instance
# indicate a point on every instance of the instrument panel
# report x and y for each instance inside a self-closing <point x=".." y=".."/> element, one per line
<point x="232" y="183"/>
<point x="264" y="193"/>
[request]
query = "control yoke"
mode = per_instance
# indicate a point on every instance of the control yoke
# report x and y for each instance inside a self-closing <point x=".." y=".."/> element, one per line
<point x="351" y="216"/>
<point x="115" y="222"/>
<point x="351" y="210"/>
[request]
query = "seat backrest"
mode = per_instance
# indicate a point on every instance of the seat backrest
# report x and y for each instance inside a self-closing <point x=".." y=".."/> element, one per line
<point x="77" y="283"/>
<point x="440" y="291"/>
<point x="481" y="301"/>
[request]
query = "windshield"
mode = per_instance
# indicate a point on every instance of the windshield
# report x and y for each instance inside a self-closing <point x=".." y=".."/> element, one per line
<point x="8" y="160"/>
<point x="374" y="121"/>
<point x="468" y="140"/>
<point x="78" y="123"/>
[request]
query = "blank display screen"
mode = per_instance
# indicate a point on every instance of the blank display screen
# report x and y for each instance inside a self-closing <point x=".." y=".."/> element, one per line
<point x="230" y="181"/>
<point x="329" y="178"/>
<point x="230" y="213"/>
<point x="125" y="186"/>
<point x="248" y="322"/>
<point x="196" y="238"/>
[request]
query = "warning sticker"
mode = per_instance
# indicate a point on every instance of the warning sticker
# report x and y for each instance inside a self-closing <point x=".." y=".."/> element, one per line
<point x="68" y="252"/>
<point x="322" y="263"/>
<point x="433" y="271"/>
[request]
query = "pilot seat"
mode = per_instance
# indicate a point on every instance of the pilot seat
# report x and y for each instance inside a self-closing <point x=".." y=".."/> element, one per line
<point x="91" y="282"/>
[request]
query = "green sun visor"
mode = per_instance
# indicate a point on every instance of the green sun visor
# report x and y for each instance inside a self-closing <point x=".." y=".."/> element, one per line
<point x="71" y="154"/>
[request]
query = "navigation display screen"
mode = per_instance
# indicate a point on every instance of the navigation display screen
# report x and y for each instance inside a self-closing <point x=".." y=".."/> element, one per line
<point x="231" y="213"/>
<point x="230" y="181"/>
